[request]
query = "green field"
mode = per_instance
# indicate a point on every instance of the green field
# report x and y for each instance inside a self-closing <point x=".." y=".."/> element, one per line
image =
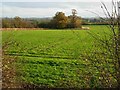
<point x="53" y="58"/>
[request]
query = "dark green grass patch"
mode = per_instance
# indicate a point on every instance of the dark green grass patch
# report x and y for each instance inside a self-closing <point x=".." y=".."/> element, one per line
<point x="55" y="72"/>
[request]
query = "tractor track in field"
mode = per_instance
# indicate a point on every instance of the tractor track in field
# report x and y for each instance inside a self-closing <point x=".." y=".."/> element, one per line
<point x="44" y="56"/>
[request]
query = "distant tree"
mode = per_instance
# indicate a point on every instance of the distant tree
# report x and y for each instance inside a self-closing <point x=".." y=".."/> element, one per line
<point x="43" y="25"/>
<point x="5" y="23"/>
<point x="59" y="21"/>
<point x="22" y="23"/>
<point x="17" y="22"/>
<point x="74" y="20"/>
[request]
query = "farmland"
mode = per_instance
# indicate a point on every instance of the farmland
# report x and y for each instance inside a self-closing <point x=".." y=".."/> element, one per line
<point x="53" y="58"/>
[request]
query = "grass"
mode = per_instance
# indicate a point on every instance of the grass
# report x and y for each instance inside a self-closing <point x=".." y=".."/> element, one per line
<point x="53" y="72"/>
<point x="52" y="58"/>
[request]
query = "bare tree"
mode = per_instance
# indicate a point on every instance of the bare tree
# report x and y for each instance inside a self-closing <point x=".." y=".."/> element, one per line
<point x="105" y="55"/>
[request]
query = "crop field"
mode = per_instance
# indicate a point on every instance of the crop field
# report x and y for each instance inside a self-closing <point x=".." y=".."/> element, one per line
<point x="53" y="58"/>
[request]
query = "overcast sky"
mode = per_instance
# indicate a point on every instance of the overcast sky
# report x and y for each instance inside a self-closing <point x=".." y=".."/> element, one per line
<point x="48" y="8"/>
<point x="55" y="0"/>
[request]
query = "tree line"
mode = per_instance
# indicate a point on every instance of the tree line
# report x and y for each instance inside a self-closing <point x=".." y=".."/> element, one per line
<point x="59" y="21"/>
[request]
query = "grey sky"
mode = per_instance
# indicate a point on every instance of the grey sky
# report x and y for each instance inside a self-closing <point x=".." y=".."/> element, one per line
<point x="56" y="0"/>
<point x="48" y="9"/>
